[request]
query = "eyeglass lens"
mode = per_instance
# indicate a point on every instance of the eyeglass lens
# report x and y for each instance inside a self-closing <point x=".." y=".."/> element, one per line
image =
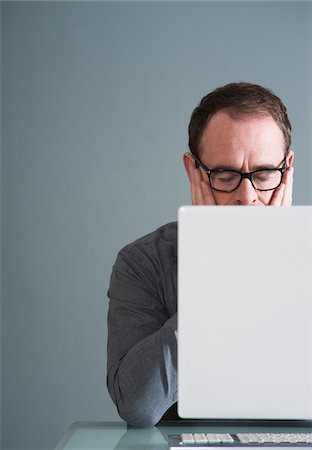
<point x="262" y="180"/>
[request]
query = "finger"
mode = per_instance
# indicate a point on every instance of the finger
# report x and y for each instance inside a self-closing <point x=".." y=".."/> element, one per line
<point x="278" y="195"/>
<point x="288" y="180"/>
<point x="208" y="197"/>
<point x="201" y="191"/>
<point x="197" y="198"/>
<point x="197" y="194"/>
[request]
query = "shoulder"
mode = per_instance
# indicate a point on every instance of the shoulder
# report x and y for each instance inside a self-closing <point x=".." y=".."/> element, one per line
<point x="164" y="235"/>
<point x="147" y="268"/>
<point x="157" y="245"/>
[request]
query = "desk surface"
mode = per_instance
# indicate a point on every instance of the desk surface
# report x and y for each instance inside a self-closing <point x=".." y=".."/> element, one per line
<point x="116" y="435"/>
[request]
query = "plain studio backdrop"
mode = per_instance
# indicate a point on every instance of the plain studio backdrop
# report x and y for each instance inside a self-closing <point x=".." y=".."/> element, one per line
<point x="96" y="100"/>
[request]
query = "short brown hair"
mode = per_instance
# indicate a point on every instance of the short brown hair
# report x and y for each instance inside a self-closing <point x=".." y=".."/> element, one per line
<point x="239" y="100"/>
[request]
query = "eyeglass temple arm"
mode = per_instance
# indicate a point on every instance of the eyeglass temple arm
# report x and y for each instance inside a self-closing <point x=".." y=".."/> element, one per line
<point x="197" y="164"/>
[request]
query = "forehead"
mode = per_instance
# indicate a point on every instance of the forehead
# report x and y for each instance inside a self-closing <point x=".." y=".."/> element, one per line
<point x="246" y="139"/>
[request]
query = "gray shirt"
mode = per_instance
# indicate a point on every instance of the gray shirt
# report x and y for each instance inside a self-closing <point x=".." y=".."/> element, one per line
<point x="142" y="324"/>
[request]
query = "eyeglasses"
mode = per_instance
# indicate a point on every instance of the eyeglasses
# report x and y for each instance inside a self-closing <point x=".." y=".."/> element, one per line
<point x="225" y="180"/>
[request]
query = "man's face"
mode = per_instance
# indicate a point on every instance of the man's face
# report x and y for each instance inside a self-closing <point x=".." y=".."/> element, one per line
<point x="245" y="145"/>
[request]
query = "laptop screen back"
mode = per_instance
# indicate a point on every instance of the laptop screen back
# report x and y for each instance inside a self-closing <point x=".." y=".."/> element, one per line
<point x="245" y="312"/>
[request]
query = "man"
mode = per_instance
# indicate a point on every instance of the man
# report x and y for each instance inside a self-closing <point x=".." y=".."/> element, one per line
<point x="239" y="137"/>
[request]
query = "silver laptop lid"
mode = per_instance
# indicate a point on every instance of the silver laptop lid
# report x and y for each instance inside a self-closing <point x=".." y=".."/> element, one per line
<point x="245" y="312"/>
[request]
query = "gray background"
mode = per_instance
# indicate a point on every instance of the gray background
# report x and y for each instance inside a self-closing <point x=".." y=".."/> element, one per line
<point x="96" y="99"/>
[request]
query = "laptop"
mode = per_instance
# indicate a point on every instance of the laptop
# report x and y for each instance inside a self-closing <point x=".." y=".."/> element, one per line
<point x="245" y="312"/>
<point x="245" y="326"/>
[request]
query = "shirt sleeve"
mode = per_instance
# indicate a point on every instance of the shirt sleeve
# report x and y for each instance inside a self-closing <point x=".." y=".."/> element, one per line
<point x="142" y="343"/>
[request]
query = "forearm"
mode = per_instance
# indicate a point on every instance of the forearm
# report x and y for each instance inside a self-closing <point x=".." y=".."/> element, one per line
<point x="143" y="384"/>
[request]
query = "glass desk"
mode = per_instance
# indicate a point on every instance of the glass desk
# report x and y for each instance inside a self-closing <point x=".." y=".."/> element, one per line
<point x="117" y="436"/>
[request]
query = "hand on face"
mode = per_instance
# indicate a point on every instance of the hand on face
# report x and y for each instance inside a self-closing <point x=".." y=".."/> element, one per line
<point x="201" y="192"/>
<point x="283" y="194"/>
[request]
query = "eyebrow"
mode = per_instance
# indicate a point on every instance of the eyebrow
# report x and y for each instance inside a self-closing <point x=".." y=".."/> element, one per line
<point x="260" y="167"/>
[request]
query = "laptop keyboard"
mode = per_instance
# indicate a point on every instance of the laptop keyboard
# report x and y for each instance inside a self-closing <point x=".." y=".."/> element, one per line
<point x="205" y="440"/>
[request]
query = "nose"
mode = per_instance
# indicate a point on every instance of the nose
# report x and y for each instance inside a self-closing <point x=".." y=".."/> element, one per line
<point x="246" y="194"/>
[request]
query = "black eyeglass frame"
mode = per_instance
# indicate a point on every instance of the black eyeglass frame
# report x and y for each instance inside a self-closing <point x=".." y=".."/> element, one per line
<point x="243" y="175"/>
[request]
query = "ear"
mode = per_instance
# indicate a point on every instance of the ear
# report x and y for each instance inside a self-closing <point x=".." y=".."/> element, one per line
<point x="290" y="158"/>
<point x="189" y="164"/>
